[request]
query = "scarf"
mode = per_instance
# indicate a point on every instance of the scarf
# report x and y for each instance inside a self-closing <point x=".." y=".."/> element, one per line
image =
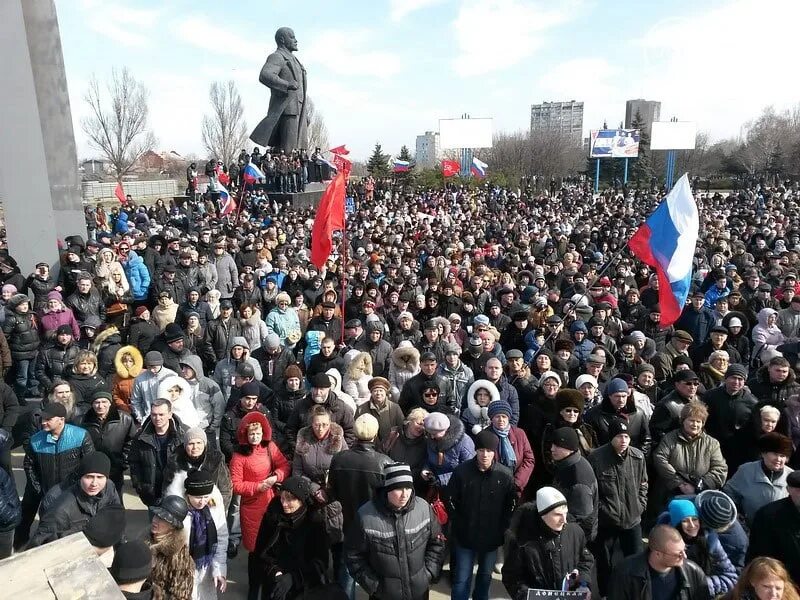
<point x="203" y="537"/>
<point x="507" y="456"/>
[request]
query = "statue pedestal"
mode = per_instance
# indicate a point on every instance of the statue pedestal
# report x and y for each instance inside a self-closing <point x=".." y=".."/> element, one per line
<point x="299" y="200"/>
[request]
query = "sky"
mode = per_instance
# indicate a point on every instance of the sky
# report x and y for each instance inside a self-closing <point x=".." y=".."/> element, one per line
<point x="388" y="70"/>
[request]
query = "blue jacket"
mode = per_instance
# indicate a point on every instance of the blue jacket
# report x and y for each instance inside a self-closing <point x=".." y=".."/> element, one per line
<point x="444" y="455"/>
<point x="138" y="276"/>
<point x="49" y="461"/>
<point x="121" y="225"/>
<point x="698" y="324"/>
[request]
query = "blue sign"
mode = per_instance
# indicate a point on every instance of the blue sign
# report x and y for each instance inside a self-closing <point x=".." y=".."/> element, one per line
<point x="349" y="205"/>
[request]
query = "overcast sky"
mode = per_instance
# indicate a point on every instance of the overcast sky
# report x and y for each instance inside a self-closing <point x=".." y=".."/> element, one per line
<point x="387" y="70"/>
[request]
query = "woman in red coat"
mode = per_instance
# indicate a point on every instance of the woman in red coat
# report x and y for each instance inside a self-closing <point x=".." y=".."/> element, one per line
<point x="256" y="466"/>
<point x="515" y="449"/>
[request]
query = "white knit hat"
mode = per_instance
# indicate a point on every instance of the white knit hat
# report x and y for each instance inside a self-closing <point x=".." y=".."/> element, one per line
<point x="547" y="499"/>
<point x="585" y="378"/>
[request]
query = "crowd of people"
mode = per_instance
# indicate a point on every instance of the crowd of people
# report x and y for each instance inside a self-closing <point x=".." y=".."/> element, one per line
<point x="476" y="377"/>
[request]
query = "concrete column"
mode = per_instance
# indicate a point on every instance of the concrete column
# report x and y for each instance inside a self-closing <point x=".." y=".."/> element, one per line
<point x="39" y="184"/>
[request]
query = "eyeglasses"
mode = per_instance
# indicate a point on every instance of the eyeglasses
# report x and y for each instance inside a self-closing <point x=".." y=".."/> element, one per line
<point x="572" y="411"/>
<point x="679" y="554"/>
<point x="691" y="383"/>
<point x="430" y="394"/>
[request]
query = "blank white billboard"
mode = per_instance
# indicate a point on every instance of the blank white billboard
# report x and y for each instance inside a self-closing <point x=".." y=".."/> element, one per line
<point x="465" y="133"/>
<point x="673" y="135"/>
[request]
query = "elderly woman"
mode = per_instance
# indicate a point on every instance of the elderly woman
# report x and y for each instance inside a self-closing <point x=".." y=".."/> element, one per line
<point x="256" y="466"/>
<point x="712" y="373"/>
<point x="571" y="404"/>
<point x="766" y="335"/>
<point x="316" y="445"/>
<point x="763" y="420"/>
<point x="476" y="413"/>
<point x="762" y="481"/>
<point x="406" y="444"/>
<point x="515" y="449"/>
<point x="688" y="460"/>
<point x="284" y="322"/>
<point x="55" y="314"/>
<point x="387" y="413"/>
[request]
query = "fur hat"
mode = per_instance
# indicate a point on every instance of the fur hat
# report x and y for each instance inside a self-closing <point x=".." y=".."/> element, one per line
<point x="569" y="398"/>
<point x="775" y="442"/>
<point x="292" y="371"/>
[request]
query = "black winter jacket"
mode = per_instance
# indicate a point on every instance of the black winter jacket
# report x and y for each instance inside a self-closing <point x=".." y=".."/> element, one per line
<point x="538" y="557"/>
<point x="727" y="414"/>
<point x="394" y="555"/>
<point x="142" y="334"/>
<point x="273" y="366"/>
<point x="22" y="335"/>
<point x="147" y="473"/>
<point x="411" y="395"/>
<point x="9" y="407"/>
<point x="630" y="580"/>
<point x="622" y="486"/>
<point x="53" y="361"/>
<point x="113" y="436"/>
<point x="219" y="335"/>
<point x="573" y="477"/>
<point x="84" y="387"/>
<point x="355" y="476"/>
<point x="601" y="416"/>
<point x="87" y="305"/>
<point x="775" y="533"/>
<point x="282" y="405"/>
<point x="480" y="504"/>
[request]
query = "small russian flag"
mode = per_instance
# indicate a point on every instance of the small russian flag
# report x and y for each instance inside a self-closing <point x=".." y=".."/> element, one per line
<point x="401" y="166"/>
<point x="252" y="173"/>
<point x="226" y="202"/>
<point x="478" y="168"/>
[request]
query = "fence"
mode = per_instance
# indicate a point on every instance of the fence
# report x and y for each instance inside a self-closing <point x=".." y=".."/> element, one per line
<point x="95" y="191"/>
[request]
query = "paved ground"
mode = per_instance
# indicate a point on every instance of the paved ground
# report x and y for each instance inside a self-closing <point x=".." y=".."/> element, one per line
<point x="138" y="524"/>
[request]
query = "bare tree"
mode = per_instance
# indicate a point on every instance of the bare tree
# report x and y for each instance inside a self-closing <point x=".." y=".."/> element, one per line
<point x="543" y="152"/>
<point x="225" y="130"/>
<point x="118" y="128"/>
<point x="317" y="131"/>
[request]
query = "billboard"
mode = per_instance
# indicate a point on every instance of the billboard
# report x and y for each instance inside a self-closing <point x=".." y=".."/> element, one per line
<point x="673" y="135"/>
<point x="614" y="143"/>
<point x="465" y="133"/>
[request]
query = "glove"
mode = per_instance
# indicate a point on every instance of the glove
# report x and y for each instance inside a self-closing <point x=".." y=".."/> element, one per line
<point x="282" y="587"/>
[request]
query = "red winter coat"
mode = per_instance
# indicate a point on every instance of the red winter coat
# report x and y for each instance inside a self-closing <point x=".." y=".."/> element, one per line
<point x="250" y="465"/>
<point x="524" y="456"/>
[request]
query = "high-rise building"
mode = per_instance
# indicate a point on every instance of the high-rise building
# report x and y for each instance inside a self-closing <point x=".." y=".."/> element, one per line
<point x="428" y="150"/>
<point x="566" y="117"/>
<point x="649" y="110"/>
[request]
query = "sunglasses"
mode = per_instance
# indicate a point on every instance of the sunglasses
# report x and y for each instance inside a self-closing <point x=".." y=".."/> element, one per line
<point x="691" y="383"/>
<point x="430" y="394"/>
<point x="572" y="411"/>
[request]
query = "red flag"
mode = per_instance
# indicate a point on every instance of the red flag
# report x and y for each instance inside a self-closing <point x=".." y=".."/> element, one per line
<point x="330" y="216"/>
<point x="342" y="164"/>
<point x="340" y="150"/>
<point x="223" y="178"/>
<point x="450" y="168"/>
<point x="119" y="193"/>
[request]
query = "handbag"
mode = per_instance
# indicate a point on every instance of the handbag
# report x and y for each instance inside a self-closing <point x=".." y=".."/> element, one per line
<point x="437" y="505"/>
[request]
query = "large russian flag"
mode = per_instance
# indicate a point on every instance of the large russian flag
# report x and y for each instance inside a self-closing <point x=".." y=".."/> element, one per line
<point x="226" y="202"/>
<point x="478" y="168"/>
<point x="666" y="242"/>
<point x="401" y="166"/>
<point x="252" y="173"/>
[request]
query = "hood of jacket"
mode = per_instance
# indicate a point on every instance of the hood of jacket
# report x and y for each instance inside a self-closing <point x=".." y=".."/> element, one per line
<point x="406" y="358"/>
<point x="238" y="340"/>
<point x="451" y="437"/>
<point x="360" y="365"/>
<point x="106" y="335"/>
<point x="253" y="417"/>
<point x="764" y="314"/>
<point x="474" y="408"/>
<point x="170" y="381"/>
<point x="445" y="324"/>
<point x="337" y="380"/>
<point x="138" y="362"/>
<point x="194" y="362"/>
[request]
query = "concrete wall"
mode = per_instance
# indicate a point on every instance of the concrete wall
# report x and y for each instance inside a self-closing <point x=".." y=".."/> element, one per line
<point x="95" y="191"/>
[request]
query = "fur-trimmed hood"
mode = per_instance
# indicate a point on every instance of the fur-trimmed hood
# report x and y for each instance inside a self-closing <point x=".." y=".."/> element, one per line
<point x="445" y="324"/>
<point x="478" y="411"/>
<point x="360" y="366"/>
<point x="453" y="435"/>
<point x="406" y="358"/>
<point x="333" y="443"/>
<point x="138" y="362"/>
<point x="104" y="335"/>
<point x="337" y="379"/>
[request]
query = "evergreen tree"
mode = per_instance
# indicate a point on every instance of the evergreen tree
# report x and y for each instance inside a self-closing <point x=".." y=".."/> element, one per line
<point x="641" y="171"/>
<point x="407" y="178"/>
<point x="378" y="163"/>
<point x="405" y="154"/>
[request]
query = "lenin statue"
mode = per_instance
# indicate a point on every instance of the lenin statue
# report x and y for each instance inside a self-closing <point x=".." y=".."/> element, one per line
<point x="286" y="125"/>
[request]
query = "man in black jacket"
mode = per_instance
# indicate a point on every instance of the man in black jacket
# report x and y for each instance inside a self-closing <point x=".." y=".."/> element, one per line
<point x="327" y="358"/>
<point x="730" y="407"/>
<point x="55" y="356"/>
<point x="775" y="528"/>
<point x="618" y="403"/>
<point x="481" y="496"/>
<point x="411" y="396"/>
<point x="662" y="572"/>
<point x="573" y="477"/>
<point x="160" y="436"/>
<point x="621" y="472"/>
<point x="354" y="477"/>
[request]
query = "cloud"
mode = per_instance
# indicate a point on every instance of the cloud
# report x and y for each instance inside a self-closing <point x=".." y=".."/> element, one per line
<point x="515" y="27"/>
<point x="199" y="31"/>
<point x="120" y="23"/>
<point x="399" y="9"/>
<point x="697" y="65"/>
<point x="353" y="53"/>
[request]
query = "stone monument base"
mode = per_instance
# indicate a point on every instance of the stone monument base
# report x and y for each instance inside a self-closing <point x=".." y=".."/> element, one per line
<point x="308" y="199"/>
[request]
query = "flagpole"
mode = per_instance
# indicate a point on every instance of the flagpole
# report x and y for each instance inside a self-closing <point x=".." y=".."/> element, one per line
<point x="344" y="267"/>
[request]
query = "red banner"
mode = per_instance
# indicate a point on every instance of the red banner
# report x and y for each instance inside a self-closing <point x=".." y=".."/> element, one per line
<point x="450" y="168"/>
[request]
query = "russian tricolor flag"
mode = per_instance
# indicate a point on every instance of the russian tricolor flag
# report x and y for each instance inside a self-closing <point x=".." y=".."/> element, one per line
<point x="226" y="202"/>
<point x="252" y="173"/>
<point x="478" y="168"/>
<point x="666" y="242"/>
<point x="401" y="166"/>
